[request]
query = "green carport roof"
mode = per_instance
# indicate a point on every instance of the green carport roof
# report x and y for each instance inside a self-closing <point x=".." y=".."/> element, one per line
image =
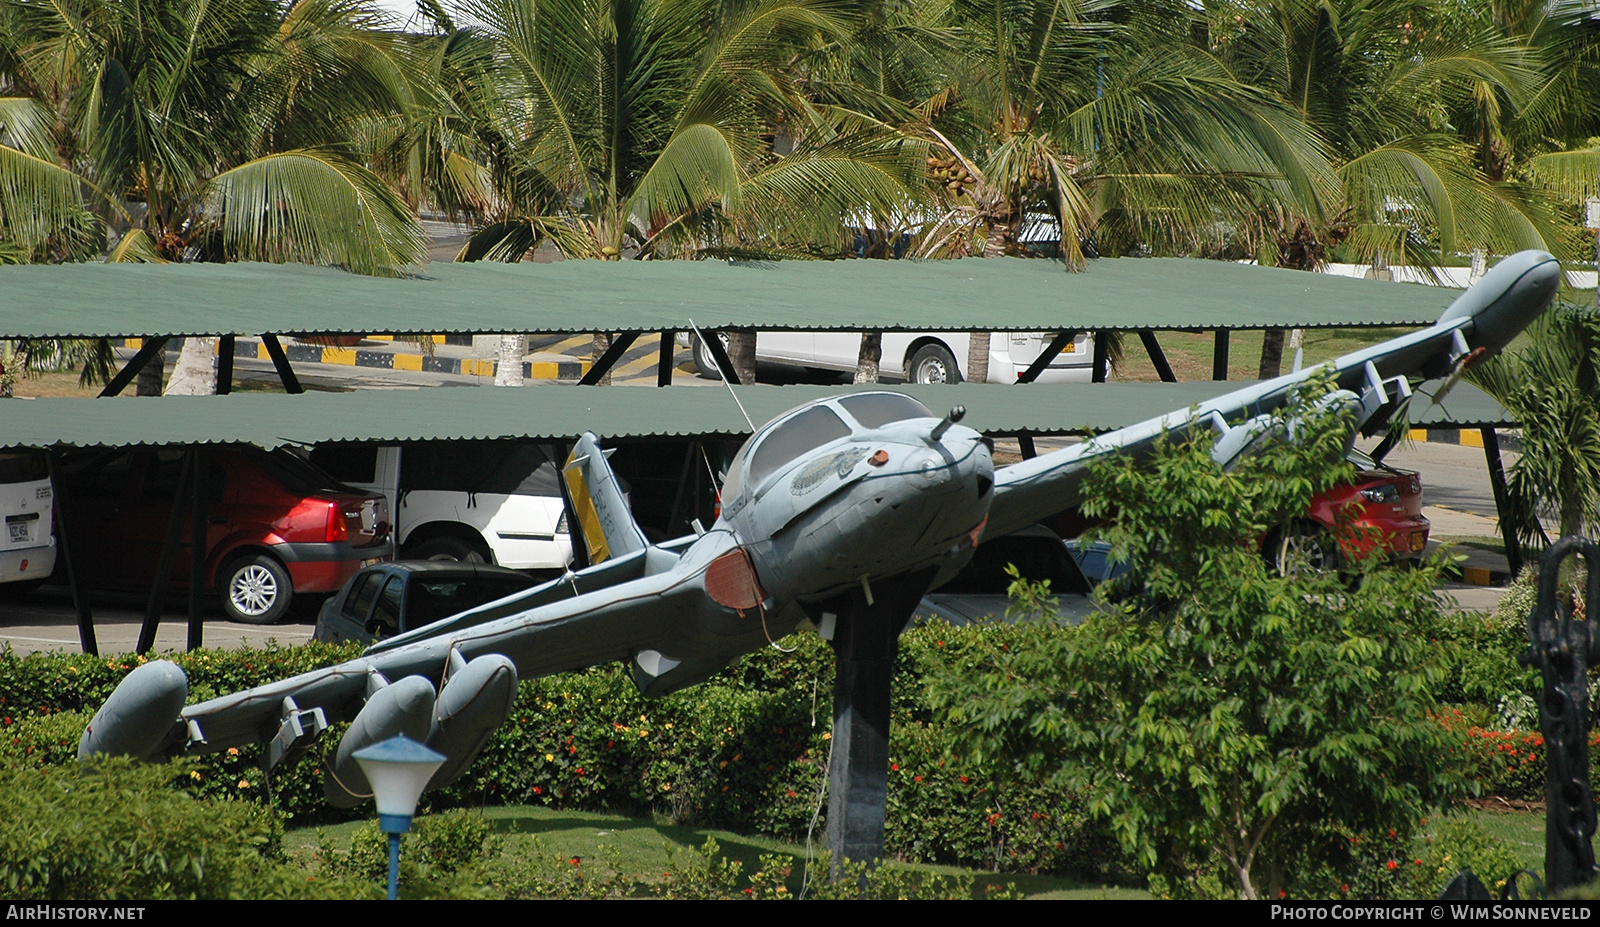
<point x="614" y="413"/>
<point x="1007" y="294"/>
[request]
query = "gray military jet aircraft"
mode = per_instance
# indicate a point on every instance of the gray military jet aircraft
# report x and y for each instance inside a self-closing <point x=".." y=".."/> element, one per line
<point x="837" y="516"/>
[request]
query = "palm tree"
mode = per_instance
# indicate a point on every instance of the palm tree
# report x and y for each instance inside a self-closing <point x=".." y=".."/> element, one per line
<point x="1385" y="83"/>
<point x="1103" y="117"/>
<point x="197" y="131"/>
<point x="1552" y="388"/>
<point x="1105" y="120"/>
<point x="648" y="129"/>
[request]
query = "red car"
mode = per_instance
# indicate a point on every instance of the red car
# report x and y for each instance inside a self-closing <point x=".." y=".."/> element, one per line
<point x="1380" y="508"/>
<point x="275" y="525"/>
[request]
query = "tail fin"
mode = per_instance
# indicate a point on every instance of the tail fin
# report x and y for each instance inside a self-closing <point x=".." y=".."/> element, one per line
<point x="599" y="512"/>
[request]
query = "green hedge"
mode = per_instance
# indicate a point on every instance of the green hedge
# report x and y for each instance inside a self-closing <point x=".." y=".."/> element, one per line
<point x="746" y="751"/>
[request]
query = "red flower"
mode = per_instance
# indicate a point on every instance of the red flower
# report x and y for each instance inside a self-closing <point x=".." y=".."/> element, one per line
<point x="916" y="778"/>
<point x="1393" y="864"/>
<point x="893" y="766"/>
<point x="576" y="861"/>
<point x="537" y="790"/>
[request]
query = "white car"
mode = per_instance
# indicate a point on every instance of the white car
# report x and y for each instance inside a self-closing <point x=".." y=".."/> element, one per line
<point x="28" y="547"/>
<point x="476" y="501"/>
<point x="920" y="357"/>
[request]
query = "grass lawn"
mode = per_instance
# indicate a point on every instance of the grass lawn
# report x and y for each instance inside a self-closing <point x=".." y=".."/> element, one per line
<point x="1493" y="545"/>
<point x="645" y="847"/>
<point x="1522" y="832"/>
<point x="1190" y="353"/>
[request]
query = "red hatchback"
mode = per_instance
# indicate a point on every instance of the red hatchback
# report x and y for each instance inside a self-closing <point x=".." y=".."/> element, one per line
<point x="1381" y="508"/>
<point x="275" y="525"/>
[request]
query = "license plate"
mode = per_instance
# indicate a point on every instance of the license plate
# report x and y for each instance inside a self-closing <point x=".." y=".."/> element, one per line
<point x="1419" y="540"/>
<point x="20" y="527"/>
<point x="367" y="563"/>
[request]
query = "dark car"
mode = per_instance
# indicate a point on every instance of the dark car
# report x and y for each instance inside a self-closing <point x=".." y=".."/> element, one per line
<point x="275" y="525"/>
<point x="1094" y="558"/>
<point x="978" y="592"/>
<point x="391" y="598"/>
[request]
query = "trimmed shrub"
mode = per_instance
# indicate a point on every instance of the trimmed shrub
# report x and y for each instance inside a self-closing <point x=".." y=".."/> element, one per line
<point x="747" y="751"/>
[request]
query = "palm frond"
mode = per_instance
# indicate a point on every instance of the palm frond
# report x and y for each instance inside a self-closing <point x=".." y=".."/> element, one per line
<point x="39" y="199"/>
<point x="136" y="247"/>
<point x="699" y="166"/>
<point x="1571" y="175"/>
<point x="315" y="207"/>
<point x="26" y="126"/>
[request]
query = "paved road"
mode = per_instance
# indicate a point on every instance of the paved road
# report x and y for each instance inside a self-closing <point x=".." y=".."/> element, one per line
<point x="47" y="621"/>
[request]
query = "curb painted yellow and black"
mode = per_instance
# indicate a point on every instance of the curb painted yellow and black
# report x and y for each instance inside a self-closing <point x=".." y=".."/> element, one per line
<point x="1479" y="576"/>
<point x="1466" y="437"/>
<point x="394" y="360"/>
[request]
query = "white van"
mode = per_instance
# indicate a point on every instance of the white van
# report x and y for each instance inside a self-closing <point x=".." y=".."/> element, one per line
<point x="28" y="547"/>
<point x="920" y="357"/>
<point x="477" y="501"/>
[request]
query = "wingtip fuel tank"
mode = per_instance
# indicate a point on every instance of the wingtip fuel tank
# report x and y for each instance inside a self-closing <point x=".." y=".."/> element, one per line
<point x="1507" y="300"/>
<point x="140" y="715"/>
<point x="402" y="707"/>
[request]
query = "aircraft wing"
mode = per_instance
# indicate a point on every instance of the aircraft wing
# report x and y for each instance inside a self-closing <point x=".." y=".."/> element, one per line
<point x="1479" y="323"/>
<point x="663" y="621"/>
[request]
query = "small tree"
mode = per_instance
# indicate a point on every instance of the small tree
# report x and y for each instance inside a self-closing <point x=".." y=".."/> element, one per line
<point x="1230" y="722"/>
<point x="1552" y="388"/>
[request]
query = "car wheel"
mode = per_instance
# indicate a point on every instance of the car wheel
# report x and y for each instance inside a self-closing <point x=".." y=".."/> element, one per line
<point x="448" y="549"/>
<point x="933" y="364"/>
<point x="1304" y="546"/>
<point x="704" y="363"/>
<point x="256" y="590"/>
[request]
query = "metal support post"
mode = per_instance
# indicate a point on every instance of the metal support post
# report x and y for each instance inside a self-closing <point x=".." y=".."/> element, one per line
<point x="866" y="638"/>
<point x="664" y="364"/>
<point x="80" y="595"/>
<point x="147" y="350"/>
<point x="619" y="347"/>
<point x="291" y="383"/>
<point x="1219" y="355"/>
<point x="163" y="577"/>
<point x="1158" y="357"/>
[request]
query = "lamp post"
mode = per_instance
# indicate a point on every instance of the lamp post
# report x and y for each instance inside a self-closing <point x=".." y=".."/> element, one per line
<point x="399" y="769"/>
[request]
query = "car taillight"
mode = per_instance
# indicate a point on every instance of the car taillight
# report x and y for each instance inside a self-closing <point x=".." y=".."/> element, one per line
<point x="337" y="530"/>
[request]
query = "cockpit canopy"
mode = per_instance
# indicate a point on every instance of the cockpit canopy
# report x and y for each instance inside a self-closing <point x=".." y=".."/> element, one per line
<point x="784" y="439"/>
